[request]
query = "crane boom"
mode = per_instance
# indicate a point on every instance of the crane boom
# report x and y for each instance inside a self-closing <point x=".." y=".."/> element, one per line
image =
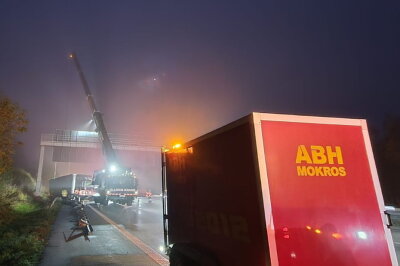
<point x="115" y="183"/>
<point x="107" y="148"/>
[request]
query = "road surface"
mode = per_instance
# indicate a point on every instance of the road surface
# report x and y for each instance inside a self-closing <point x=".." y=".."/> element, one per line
<point x="122" y="236"/>
<point x="396" y="240"/>
<point x="143" y="219"/>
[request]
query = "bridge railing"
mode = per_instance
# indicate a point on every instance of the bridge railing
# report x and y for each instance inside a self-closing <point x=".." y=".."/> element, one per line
<point x="117" y="140"/>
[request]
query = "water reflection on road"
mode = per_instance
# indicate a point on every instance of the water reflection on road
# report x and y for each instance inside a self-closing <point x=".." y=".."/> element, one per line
<point x="143" y="219"/>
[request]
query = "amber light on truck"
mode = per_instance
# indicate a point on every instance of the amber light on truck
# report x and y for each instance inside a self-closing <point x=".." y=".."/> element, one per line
<point x="177" y="146"/>
<point x="337" y="235"/>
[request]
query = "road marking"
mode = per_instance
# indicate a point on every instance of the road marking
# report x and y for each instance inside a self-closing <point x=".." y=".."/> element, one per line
<point x="136" y="241"/>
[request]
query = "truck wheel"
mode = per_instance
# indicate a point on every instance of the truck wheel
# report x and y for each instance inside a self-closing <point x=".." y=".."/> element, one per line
<point x="177" y="259"/>
<point x="129" y="201"/>
<point x="188" y="255"/>
<point x="105" y="202"/>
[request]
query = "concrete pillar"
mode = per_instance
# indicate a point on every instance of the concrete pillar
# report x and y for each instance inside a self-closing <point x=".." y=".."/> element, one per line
<point x="40" y="171"/>
<point x="73" y="183"/>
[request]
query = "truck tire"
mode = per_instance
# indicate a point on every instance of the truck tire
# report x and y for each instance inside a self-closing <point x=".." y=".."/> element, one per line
<point x="190" y="255"/>
<point x="104" y="201"/>
<point x="129" y="201"/>
<point x="178" y="259"/>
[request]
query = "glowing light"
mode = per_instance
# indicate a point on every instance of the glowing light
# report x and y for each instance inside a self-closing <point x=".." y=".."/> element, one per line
<point x="113" y="168"/>
<point x="161" y="248"/>
<point x="83" y="133"/>
<point x="285" y="229"/>
<point x="177" y="146"/>
<point x="308" y="227"/>
<point x="71" y="55"/>
<point x="64" y="193"/>
<point x="337" y="235"/>
<point x="103" y="171"/>
<point x="286" y="236"/>
<point x="362" y="235"/>
<point x="317" y="231"/>
<point x="293" y="255"/>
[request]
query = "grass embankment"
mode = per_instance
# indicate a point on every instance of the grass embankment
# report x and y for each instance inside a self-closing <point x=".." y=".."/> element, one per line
<point x="25" y="222"/>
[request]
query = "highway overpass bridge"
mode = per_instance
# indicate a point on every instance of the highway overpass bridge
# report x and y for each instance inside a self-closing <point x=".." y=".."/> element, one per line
<point x="79" y="152"/>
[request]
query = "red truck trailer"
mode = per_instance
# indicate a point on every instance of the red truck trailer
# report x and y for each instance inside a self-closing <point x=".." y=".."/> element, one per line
<point x="274" y="189"/>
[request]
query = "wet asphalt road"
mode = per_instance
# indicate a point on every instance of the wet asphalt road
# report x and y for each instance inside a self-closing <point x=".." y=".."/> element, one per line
<point x="143" y="219"/>
<point x="122" y="236"/>
<point x="396" y="240"/>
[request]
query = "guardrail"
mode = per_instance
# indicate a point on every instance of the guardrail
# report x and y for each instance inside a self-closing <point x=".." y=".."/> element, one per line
<point x="394" y="217"/>
<point x="115" y="140"/>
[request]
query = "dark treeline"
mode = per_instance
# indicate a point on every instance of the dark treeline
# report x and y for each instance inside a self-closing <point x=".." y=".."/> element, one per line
<point x="386" y="145"/>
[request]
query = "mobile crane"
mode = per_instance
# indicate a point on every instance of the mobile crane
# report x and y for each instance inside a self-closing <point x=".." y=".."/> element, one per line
<point x="115" y="182"/>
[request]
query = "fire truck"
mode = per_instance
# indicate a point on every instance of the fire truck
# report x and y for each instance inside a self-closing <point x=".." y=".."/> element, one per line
<point x="115" y="182"/>
<point x="274" y="189"/>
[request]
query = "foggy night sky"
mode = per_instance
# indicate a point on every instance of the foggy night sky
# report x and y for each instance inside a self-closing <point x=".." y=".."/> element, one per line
<point x="168" y="70"/>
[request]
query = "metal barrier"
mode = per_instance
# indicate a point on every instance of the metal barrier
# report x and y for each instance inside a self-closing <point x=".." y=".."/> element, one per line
<point x="91" y="139"/>
<point x="82" y="223"/>
<point x="394" y="217"/>
<point x="116" y="139"/>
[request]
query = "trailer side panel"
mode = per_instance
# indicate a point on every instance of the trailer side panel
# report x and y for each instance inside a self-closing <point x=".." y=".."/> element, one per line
<point x="214" y="199"/>
<point x="324" y="205"/>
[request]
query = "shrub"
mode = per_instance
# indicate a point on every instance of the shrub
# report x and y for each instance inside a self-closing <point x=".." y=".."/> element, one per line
<point x="20" y="249"/>
<point x="8" y="196"/>
<point x="19" y="178"/>
<point x="24" y="239"/>
<point x="25" y="221"/>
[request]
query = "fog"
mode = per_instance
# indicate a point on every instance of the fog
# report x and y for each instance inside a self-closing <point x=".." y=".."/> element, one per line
<point x="166" y="72"/>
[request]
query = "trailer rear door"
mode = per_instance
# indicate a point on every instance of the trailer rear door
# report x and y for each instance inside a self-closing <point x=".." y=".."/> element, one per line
<point x="322" y="198"/>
